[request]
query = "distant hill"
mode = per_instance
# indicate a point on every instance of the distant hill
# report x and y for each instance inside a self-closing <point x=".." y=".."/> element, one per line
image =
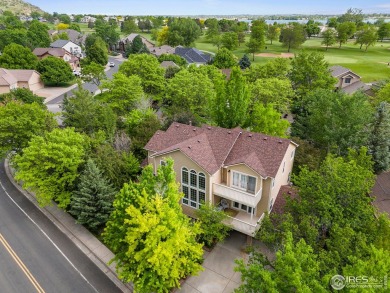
<point x="19" y="7"/>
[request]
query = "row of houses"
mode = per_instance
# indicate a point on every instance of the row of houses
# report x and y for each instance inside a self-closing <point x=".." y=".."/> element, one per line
<point x="191" y="55"/>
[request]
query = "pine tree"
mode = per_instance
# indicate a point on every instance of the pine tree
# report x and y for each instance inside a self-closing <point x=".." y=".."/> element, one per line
<point x="92" y="202"/>
<point x="244" y="62"/>
<point x="380" y="138"/>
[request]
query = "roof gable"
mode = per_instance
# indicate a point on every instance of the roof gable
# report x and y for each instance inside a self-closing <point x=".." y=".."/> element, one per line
<point x="213" y="147"/>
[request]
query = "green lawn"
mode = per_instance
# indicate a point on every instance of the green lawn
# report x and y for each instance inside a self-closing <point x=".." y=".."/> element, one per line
<point x="370" y="65"/>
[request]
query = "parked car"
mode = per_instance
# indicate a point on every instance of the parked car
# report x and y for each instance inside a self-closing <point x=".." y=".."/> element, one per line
<point x="76" y="73"/>
<point x="111" y="64"/>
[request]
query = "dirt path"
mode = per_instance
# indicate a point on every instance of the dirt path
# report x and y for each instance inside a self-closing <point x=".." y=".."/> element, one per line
<point x="272" y="55"/>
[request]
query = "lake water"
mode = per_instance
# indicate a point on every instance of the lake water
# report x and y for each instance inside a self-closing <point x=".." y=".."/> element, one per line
<point x="303" y="21"/>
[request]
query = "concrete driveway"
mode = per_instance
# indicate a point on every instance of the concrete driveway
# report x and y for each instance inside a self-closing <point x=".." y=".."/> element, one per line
<point x="218" y="275"/>
<point x="381" y="191"/>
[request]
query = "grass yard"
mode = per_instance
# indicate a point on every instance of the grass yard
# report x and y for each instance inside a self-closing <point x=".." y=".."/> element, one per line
<point x="371" y="65"/>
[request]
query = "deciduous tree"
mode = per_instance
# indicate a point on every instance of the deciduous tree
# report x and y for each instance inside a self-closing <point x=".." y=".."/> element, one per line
<point x="189" y="92"/>
<point x="211" y="224"/>
<point x="328" y="38"/>
<point x="49" y="165"/>
<point x="267" y="120"/>
<point x="224" y="59"/>
<point x="18" y="57"/>
<point x="229" y="109"/>
<point x="54" y="70"/>
<point x="345" y="31"/>
<point x="37" y="35"/>
<point x="292" y="36"/>
<point x="367" y="36"/>
<point x="230" y="41"/>
<point x="122" y="92"/>
<point x="273" y="32"/>
<point x="20" y="122"/>
<point x="310" y="71"/>
<point x="93" y="72"/>
<point x="153" y="241"/>
<point x="88" y="115"/>
<point x="273" y="90"/>
<point x="334" y="121"/>
<point x="148" y="69"/>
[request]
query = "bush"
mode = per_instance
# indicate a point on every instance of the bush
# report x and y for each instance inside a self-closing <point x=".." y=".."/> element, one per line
<point x="211" y="223"/>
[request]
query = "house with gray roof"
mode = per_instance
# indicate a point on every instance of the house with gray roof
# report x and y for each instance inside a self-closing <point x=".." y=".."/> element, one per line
<point x="69" y="46"/>
<point x="348" y="81"/>
<point x="239" y="171"/>
<point x="192" y="55"/>
<point x="121" y="46"/>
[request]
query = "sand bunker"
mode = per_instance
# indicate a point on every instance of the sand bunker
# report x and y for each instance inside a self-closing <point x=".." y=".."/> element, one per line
<point x="272" y="55"/>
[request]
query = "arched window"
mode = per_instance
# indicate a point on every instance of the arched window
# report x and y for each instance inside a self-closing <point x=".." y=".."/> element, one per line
<point x="194" y="188"/>
<point x="202" y="181"/>
<point x="184" y="175"/>
<point x="193" y="178"/>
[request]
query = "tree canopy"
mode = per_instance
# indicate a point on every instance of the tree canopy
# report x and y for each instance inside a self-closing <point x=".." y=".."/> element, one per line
<point x="310" y="71"/>
<point x="54" y="70"/>
<point x="153" y="241"/>
<point x="16" y="56"/>
<point x="292" y="36"/>
<point x="149" y="71"/>
<point x="88" y="115"/>
<point x="49" y="165"/>
<point x="20" y="122"/>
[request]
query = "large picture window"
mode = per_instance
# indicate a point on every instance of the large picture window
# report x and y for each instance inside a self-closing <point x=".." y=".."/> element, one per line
<point x="245" y="182"/>
<point x="193" y="187"/>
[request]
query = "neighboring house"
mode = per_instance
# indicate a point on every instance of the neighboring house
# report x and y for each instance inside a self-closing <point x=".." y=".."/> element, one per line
<point x="166" y="64"/>
<point x="69" y="46"/>
<point x="88" y="18"/>
<point x="8" y="82"/>
<point x="19" y="78"/>
<point x="74" y="36"/>
<point x="348" y="81"/>
<point x="164" y="49"/>
<point x="123" y="42"/>
<point x="61" y="53"/>
<point x="238" y="170"/>
<point x="192" y="55"/>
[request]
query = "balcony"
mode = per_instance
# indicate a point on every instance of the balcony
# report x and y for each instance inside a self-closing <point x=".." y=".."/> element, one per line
<point x="243" y="222"/>
<point x="237" y="195"/>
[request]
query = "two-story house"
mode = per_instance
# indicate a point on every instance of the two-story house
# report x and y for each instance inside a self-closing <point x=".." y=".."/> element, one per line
<point x="238" y="170"/>
<point x="69" y="46"/>
<point x="348" y="81"/>
<point x="61" y="53"/>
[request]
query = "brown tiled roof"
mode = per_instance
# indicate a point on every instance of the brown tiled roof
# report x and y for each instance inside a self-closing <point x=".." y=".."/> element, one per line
<point x="56" y="52"/>
<point x="262" y="153"/>
<point x="280" y="202"/>
<point x="213" y="147"/>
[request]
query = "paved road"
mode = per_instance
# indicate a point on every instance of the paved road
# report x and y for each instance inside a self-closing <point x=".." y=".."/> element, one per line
<point x="45" y="254"/>
<point x="53" y="104"/>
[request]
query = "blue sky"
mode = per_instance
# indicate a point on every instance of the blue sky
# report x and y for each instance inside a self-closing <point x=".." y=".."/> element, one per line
<point x="207" y="7"/>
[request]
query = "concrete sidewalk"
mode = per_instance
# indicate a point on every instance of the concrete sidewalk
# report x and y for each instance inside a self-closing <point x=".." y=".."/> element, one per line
<point x="96" y="251"/>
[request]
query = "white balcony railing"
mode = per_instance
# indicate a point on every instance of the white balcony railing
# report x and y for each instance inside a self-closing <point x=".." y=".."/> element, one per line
<point x="248" y="227"/>
<point x="237" y="195"/>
